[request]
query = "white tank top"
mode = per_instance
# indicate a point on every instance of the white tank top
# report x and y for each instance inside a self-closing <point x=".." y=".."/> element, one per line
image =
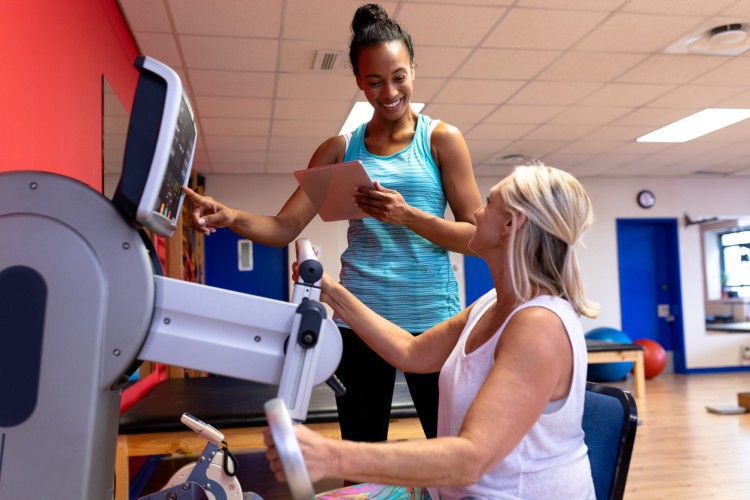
<point x="552" y="460"/>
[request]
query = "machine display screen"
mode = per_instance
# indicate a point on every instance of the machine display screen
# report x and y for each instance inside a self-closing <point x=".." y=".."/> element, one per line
<point x="159" y="150"/>
<point x="168" y="203"/>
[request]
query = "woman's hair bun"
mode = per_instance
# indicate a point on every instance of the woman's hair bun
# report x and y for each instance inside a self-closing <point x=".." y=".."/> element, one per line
<point x="366" y="15"/>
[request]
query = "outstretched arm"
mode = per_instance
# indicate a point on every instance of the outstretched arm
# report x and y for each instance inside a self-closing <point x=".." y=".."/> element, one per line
<point x="207" y="214"/>
<point x="424" y="353"/>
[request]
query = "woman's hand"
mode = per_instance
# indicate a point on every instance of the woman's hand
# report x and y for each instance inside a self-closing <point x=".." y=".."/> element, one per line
<point x="208" y="214"/>
<point x="386" y="205"/>
<point x="318" y="452"/>
<point x="326" y="282"/>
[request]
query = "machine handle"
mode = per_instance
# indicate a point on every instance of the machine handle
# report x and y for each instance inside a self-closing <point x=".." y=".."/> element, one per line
<point x="290" y="453"/>
<point x="337" y="386"/>
<point x="203" y="429"/>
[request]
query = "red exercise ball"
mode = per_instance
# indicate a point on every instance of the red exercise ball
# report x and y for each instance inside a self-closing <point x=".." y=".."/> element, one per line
<point x="654" y="357"/>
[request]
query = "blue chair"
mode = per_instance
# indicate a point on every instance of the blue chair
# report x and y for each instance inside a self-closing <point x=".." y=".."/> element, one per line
<point x="610" y="419"/>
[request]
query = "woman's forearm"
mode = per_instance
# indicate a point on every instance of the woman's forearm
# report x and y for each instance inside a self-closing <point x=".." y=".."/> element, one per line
<point x="448" y="461"/>
<point x="390" y="341"/>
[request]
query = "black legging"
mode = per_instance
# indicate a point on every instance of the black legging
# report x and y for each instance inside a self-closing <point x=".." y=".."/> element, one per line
<point x="365" y="410"/>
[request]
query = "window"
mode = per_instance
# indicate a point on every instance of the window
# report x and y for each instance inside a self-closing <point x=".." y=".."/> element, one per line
<point x="735" y="263"/>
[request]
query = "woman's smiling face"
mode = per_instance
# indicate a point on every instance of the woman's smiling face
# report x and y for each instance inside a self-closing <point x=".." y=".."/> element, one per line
<point x="386" y="77"/>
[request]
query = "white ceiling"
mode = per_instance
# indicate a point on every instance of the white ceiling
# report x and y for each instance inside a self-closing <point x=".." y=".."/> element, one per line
<point x="571" y="82"/>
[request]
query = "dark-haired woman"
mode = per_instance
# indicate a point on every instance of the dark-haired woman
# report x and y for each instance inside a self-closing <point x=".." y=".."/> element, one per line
<point x="397" y="261"/>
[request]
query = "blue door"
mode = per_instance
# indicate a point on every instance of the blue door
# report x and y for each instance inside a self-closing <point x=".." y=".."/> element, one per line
<point x="650" y="298"/>
<point x="269" y="276"/>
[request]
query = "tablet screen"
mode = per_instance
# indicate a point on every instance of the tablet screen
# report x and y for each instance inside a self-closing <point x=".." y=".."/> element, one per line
<point x="331" y="189"/>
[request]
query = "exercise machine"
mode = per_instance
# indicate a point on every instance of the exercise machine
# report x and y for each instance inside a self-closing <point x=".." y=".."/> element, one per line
<point x="83" y="303"/>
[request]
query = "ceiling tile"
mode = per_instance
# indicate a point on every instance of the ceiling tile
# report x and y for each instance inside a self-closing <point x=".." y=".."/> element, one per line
<point x="477" y="91"/>
<point x="654" y="117"/>
<point x="425" y="89"/>
<point x="558" y="132"/>
<point x="735" y="71"/>
<point x="235" y="143"/>
<point x="223" y="157"/>
<point x="595" y="5"/>
<point x="231" y="83"/>
<point x="697" y="96"/>
<point x="440" y="62"/>
<point x="231" y="168"/>
<point x="459" y="113"/>
<point x="305" y="145"/>
<point x="234" y="127"/>
<point x="321" y="20"/>
<point x="243" y="54"/>
<point x="234" y="107"/>
<point x="625" y="94"/>
<point x="533" y="149"/>
<point x="582" y="115"/>
<point x="291" y="160"/>
<point x="554" y="93"/>
<point x="542" y="29"/>
<point x="617" y="133"/>
<point x="624" y="32"/>
<point x="298" y="56"/>
<point x="146" y="16"/>
<point x="507" y="64"/>
<point x="499" y="131"/>
<point x="302" y="127"/>
<point x="482" y="149"/>
<point x="318" y="86"/>
<point x="291" y="109"/>
<point x="447" y="25"/>
<point x="690" y="7"/>
<point x="571" y="82"/>
<point x="250" y="18"/>
<point x="474" y="2"/>
<point x="509" y="113"/>
<point x="162" y="47"/>
<point x="671" y="68"/>
<point x="590" y="66"/>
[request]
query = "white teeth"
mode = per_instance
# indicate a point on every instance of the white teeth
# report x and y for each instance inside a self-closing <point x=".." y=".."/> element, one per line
<point x="391" y="106"/>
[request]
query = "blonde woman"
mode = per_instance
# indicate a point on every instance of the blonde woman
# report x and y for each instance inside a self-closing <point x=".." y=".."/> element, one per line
<point x="512" y="365"/>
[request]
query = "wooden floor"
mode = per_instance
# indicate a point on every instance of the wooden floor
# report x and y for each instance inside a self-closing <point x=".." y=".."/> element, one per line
<point x="681" y="450"/>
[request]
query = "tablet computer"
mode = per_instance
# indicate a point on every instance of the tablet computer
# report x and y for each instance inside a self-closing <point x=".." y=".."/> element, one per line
<point x="331" y="188"/>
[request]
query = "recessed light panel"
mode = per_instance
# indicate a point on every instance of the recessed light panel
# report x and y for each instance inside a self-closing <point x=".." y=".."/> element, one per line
<point x="696" y="125"/>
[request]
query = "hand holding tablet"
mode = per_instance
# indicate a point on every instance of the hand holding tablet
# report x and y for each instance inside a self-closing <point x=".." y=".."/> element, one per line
<point x="331" y="188"/>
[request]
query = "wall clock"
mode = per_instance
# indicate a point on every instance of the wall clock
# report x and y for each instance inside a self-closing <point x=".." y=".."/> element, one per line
<point x="646" y="199"/>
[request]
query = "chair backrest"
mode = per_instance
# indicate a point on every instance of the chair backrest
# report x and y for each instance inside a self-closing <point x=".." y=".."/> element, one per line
<point x="610" y="419"/>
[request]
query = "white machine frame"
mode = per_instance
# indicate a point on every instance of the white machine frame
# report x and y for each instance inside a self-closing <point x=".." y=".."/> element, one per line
<point x="97" y="308"/>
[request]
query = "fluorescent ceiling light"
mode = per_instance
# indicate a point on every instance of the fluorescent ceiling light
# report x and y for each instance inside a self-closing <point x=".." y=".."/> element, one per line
<point x="701" y="123"/>
<point x="362" y="112"/>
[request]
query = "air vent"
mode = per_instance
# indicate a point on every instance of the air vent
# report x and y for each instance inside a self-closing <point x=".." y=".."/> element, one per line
<point x="511" y="160"/>
<point x="327" y="60"/>
<point x="723" y="39"/>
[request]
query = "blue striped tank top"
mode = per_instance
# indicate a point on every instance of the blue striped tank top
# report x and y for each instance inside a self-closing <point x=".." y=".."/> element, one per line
<point x="397" y="273"/>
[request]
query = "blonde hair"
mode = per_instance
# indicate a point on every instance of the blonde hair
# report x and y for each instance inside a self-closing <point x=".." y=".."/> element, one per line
<point x="542" y="252"/>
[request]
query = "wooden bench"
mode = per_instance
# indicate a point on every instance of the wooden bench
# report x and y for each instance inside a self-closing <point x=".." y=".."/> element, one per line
<point x="600" y="351"/>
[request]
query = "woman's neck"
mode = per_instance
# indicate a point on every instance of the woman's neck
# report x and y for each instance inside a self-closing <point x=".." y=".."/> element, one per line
<point x="387" y="137"/>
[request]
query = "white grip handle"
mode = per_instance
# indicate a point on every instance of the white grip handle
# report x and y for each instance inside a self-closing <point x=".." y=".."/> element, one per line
<point x="204" y="430"/>
<point x="305" y="250"/>
<point x="290" y="454"/>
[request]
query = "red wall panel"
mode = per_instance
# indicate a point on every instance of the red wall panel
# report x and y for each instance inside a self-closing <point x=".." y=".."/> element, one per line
<point x="53" y="55"/>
